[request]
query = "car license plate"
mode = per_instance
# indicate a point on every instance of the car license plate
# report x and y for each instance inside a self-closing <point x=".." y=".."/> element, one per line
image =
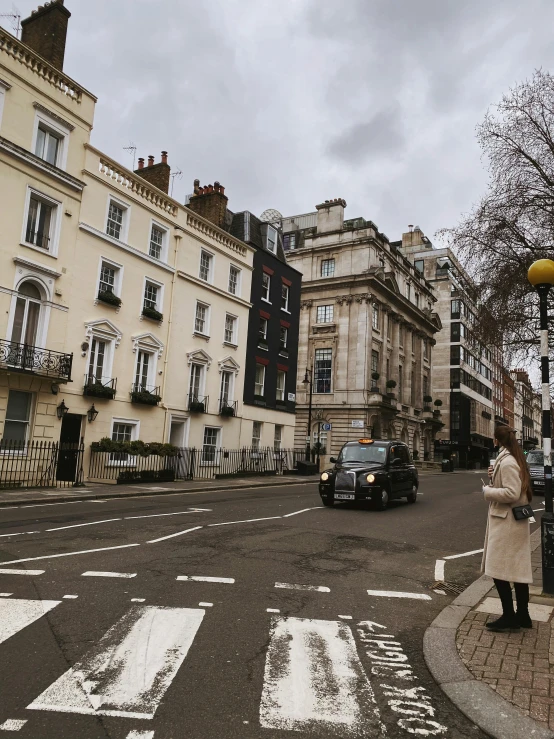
<point x="344" y="496"/>
<point x="538" y="482"/>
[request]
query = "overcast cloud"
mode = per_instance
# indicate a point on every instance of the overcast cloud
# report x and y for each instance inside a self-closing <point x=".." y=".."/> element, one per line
<point x="291" y="102"/>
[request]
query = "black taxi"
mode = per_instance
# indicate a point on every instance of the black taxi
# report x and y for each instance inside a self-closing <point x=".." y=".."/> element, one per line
<point x="370" y="470"/>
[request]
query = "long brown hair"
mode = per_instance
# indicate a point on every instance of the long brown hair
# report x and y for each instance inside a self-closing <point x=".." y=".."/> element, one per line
<point x="507" y="438"/>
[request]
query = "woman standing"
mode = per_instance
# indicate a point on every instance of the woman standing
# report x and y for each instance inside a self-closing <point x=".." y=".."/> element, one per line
<point x="507" y="550"/>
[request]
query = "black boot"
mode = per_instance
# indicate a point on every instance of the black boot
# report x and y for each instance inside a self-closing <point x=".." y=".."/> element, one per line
<point x="508" y="621"/>
<point x="504" y="623"/>
<point x="522" y="600"/>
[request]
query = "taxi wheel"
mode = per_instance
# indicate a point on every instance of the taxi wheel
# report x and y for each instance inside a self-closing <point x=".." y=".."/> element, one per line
<point x="328" y="503"/>
<point x="382" y="500"/>
<point x="412" y="497"/>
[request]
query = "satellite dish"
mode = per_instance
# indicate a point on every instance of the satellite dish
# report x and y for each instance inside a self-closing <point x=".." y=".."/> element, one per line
<point x="271" y="216"/>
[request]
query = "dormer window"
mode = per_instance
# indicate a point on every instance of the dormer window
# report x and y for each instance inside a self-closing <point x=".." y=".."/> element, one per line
<point x="271" y="239"/>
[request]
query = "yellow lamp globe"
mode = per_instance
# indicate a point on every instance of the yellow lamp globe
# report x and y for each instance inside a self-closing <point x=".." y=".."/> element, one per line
<point x="541" y="272"/>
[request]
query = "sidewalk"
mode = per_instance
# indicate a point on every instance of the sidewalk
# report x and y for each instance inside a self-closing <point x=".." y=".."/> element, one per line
<point x="503" y="682"/>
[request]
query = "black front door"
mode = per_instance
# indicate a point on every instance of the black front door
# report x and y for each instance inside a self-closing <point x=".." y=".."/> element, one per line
<point x="70" y="448"/>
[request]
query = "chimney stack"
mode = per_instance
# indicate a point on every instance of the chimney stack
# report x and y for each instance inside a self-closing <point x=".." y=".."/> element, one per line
<point x="45" y="31"/>
<point x="330" y="215"/>
<point x="156" y="174"/>
<point x="210" y="202"/>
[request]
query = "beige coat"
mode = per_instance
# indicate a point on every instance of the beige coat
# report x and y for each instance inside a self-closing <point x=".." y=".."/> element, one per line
<point x="507" y="551"/>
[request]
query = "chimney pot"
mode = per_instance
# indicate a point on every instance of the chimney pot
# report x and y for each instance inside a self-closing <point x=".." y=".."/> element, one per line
<point x="196" y="183"/>
<point x="222" y="189"/>
<point x="150" y="160"/>
<point x="141" y="163"/>
<point x="210" y="188"/>
<point x="164" y="157"/>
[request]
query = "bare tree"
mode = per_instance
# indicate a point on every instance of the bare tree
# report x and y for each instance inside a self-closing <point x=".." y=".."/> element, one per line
<point x="513" y="224"/>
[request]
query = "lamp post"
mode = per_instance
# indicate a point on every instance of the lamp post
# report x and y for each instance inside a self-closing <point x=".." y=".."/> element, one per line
<point x="309" y="380"/>
<point x="541" y="276"/>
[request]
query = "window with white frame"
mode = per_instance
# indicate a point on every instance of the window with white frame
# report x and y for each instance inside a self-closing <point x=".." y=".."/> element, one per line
<point x="281" y="383"/>
<point x="230" y="333"/>
<point x="234" y="280"/>
<point x="271" y="239"/>
<point x="210" y="444"/>
<point x="259" y="379"/>
<point x="262" y="332"/>
<point x="158" y="238"/>
<point x="107" y="281"/>
<point x="152" y="296"/>
<point x="226" y="389"/>
<point x="48" y="145"/>
<point x="123" y="430"/>
<point x="289" y="242"/>
<point x="17" y="420"/>
<point x="97" y="361"/>
<point x="115" y="226"/>
<point x="40" y="222"/>
<point x="27" y="316"/>
<point x="277" y="438"/>
<point x="266" y="284"/>
<point x="206" y="263"/>
<point x="283" y="338"/>
<point x="376" y="317"/>
<point x="285" y="291"/>
<point x="144" y="372"/>
<point x="196" y="382"/>
<point x="325" y="313"/>
<point x="256" y="435"/>
<point x="323" y="366"/>
<point x="201" y="319"/>
<point x="327" y="267"/>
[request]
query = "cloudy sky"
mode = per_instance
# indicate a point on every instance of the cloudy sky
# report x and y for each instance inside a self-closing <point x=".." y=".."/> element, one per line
<point x="291" y="102"/>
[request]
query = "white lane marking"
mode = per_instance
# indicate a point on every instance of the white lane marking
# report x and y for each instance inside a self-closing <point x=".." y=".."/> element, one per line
<point x="20" y="572"/>
<point x="154" y="489"/>
<point x="201" y="578"/>
<point x="273" y="610"/>
<point x="304" y="510"/>
<point x="206" y="605"/>
<point x="290" y="586"/>
<point x="160" y="515"/>
<point x="248" y="520"/>
<point x="5" y="595"/>
<point x="129" y="670"/>
<point x="65" y="554"/>
<point x="77" y="525"/>
<point x="13" y="724"/>
<point x="464" y="554"/>
<point x="20" y="533"/>
<point x="439" y="591"/>
<point x="314" y="681"/>
<point x="348" y="618"/>
<point x="94" y="573"/>
<point x="138" y="600"/>
<point x="172" y="536"/>
<point x="397" y="594"/>
<point x="70" y="597"/>
<point x="16" y="614"/>
<point x="202" y="510"/>
<point x="138" y="734"/>
<point x="439" y="570"/>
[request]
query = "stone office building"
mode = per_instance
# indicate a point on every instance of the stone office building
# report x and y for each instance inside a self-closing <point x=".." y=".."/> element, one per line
<point x="367" y="324"/>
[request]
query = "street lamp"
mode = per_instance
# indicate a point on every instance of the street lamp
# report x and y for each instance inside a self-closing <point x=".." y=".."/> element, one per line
<point x="61" y="410"/>
<point x="541" y="276"/>
<point x="309" y="380"/>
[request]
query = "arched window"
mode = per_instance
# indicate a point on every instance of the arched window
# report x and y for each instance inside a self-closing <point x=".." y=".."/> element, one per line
<point x="27" y="314"/>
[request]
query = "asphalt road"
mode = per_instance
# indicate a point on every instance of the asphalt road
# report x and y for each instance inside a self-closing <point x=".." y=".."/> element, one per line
<point x="100" y="638"/>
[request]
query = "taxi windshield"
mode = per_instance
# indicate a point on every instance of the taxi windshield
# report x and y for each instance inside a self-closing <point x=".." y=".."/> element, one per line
<point x="365" y="453"/>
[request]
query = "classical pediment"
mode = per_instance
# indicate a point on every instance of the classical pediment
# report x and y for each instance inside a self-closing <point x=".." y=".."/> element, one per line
<point x="148" y="342"/>
<point x="199" y="356"/>
<point x="103" y="329"/>
<point x="391" y="283"/>
<point x="228" y="364"/>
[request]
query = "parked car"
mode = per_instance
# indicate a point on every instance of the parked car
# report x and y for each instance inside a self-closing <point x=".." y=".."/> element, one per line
<point x="535" y="462"/>
<point x="370" y="470"/>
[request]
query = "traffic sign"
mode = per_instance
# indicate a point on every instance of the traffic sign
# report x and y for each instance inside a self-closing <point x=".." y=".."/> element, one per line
<point x="326" y="426"/>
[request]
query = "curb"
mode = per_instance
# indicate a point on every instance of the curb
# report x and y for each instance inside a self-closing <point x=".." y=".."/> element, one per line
<point x="482" y="705"/>
<point x="146" y="493"/>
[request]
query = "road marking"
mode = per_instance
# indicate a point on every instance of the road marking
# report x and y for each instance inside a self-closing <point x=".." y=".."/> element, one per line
<point x="137" y="734"/>
<point x="348" y="618"/>
<point x="94" y="573"/>
<point x="304" y="510"/>
<point x="129" y="670"/>
<point x="465" y="554"/>
<point x="273" y="610"/>
<point x="314" y="681"/>
<point x="20" y="572"/>
<point x="65" y="554"/>
<point x="439" y="570"/>
<point x="160" y="515"/>
<point x="248" y="520"/>
<point x="77" y="525"/>
<point x="315" y="588"/>
<point x="172" y="536"/>
<point x="206" y="605"/>
<point x="397" y="594"/>
<point x="20" y="533"/>
<point x="13" y="724"/>
<point x="5" y="595"/>
<point x="16" y="614"/>
<point x="138" y="600"/>
<point x="439" y="591"/>
<point x="70" y="597"/>
<point x="201" y="578"/>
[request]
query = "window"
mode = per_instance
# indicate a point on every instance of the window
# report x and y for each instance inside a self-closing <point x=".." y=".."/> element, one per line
<point x="325" y="313"/>
<point x="256" y="434"/>
<point x="271" y="239"/>
<point x="277" y="438"/>
<point x="201" y="319"/>
<point x="96" y="360"/>
<point x="454" y="332"/>
<point x="283" y="338"/>
<point x="417" y="300"/>
<point x="389" y="328"/>
<point x="226" y="390"/>
<point x="401" y="335"/>
<point x="157" y="242"/>
<point x="107" y="278"/>
<point x="122" y="431"/>
<point x="234" y="280"/>
<point x="206" y="262"/>
<point x="327" y="267"/>
<point x="289" y="242"/>
<point x="50" y="137"/>
<point x="285" y="297"/>
<point x="408" y="290"/>
<point x="426" y="349"/>
<point x="455" y="308"/>
<point x="374" y="361"/>
<point x="41" y="217"/>
<point x="455" y="354"/>
<point x="376" y="323"/>
<point x="262" y="332"/>
<point x="412" y="389"/>
<point x="18" y="414"/>
<point x="210" y="444"/>
<point x="387" y="376"/>
<point x="196" y="381"/>
<point x="425" y="386"/>
<point x="26" y="319"/>
<point x="259" y="380"/>
<point x="142" y="371"/>
<point x="322" y="370"/>
<point x="266" y="282"/>
<point x="281" y="382"/>
<point x="400" y="383"/>
<point x="413" y="341"/>
<point x="419" y="265"/>
<point x="48" y="145"/>
<point x="230" y="329"/>
<point x="151" y="296"/>
<point x="115" y="220"/>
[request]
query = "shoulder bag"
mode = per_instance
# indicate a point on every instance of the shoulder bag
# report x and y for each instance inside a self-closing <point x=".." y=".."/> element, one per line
<point x="522" y="511"/>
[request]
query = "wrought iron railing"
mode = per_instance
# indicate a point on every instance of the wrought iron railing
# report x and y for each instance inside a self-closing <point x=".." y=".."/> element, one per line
<point x="27" y="358"/>
<point x="145" y="394"/>
<point x="100" y="387"/>
<point x="40" y="464"/>
<point x="197" y="403"/>
<point x="227" y="407"/>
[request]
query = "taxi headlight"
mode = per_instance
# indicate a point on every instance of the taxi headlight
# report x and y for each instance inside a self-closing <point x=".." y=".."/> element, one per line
<point x="324" y="476"/>
<point x="370" y="478"/>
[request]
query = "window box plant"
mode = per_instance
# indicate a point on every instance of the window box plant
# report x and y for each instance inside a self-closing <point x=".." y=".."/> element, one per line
<point x="391" y="384"/>
<point x="227" y="410"/>
<point x="197" y="406"/>
<point x="375" y="376"/>
<point x="155" y="315"/>
<point x="145" y="397"/>
<point x="107" y="296"/>
<point x="427" y="399"/>
<point x="437" y="410"/>
<point x="98" y="390"/>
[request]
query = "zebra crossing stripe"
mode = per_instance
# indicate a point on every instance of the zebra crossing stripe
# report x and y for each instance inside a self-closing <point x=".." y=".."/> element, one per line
<point x="314" y="681"/>
<point x="129" y="670"/>
<point x="16" y="614"/>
